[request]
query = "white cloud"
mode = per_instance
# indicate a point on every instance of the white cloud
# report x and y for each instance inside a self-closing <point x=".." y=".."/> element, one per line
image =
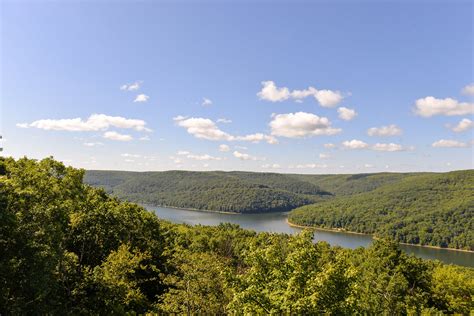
<point x="144" y="138"/>
<point x="302" y="94"/>
<point x="329" y="146"/>
<point x="189" y="155"/>
<point x="258" y="137"/>
<point x="271" y="166"/>
<point x="355" y="144"/>
<point x="131" y="86"/>
<point x="93" y="144"/>
<point x="203" y="157"/>
<point x="367" y="165"/>
<point x="270" y="92"/>
<point x="346" y="114"/>
<point x="224" y="120"/>
<point x="141" y="98"/>
<point x="202" y="128"/>
<point x="117" y="136"/>
<point x="447" y="143"/>
<point x="464" y="125"/>
<point x="206" y="102"/>
<point x="469" y="89"/>
<point x="206" y="129"/>
<point x="387" y="147"/>
<point x="308" y="166"/>
<point x="430" y="106"/>
<point x="127" y="155"/>
<point x="326" y="98"/>
<point x="324" y="156"/>
<point x="22" y="125"/>
<point x="301" y="124"/>
<point x="224" y="148"/>
<point x="95" y="122"/>
<point x="390" y="130"/>
<point x="244" y="156"/>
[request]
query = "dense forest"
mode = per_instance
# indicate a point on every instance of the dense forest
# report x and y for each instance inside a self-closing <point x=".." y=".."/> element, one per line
<point x="69" y="248"/>
<point x="239" y="192"/>
<point x="426" y="209"/>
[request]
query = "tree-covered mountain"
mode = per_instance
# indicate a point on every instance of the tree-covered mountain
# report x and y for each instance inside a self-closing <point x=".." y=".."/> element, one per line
<point x="240" y="192"/>
<point x="425" y="209"/>
<point x="70" y="249"/>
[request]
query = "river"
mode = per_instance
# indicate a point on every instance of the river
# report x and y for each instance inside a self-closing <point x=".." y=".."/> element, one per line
<point x="276" y="222"/>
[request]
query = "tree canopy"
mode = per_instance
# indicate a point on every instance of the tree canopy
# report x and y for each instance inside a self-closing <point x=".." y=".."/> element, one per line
<point x="68" y="248"/>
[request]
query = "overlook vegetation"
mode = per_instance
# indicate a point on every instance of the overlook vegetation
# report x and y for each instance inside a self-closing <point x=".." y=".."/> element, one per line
<point x="426" y="209"/>
<point x="68" y="248"/>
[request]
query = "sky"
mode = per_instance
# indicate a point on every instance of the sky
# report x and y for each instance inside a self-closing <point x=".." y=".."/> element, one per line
<point x="299" y="87"/>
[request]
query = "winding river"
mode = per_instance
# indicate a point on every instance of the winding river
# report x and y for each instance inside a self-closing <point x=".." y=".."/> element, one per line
<point x="276" y="222"/>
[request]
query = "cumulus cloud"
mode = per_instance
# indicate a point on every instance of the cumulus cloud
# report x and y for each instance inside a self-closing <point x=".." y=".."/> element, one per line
<point x="355" y="144"/>
<point x="224" y="120"/>
<point x="258" y="137"/>
<point x="244" y="156"/>
<point x="326" y="98"/>
<point x="431" y="106"/>
<point x="141" y="98"/>
<point x="387" y="147"/>
<point x="206" y="102"/>
<point x="324" y="156"/>
<point x="131" y="86"/>
<point x="301" y="124"/>
<point x="448" y="143"/>
<point x="117" y="136"/>
<point x="469" y="89"/>
<point x="464" y="125"/>
<point x="202" y="128"/>
<point x="224" y="148"/>
<point x="206" y="129"/>
<point x="95" y="122"/>
<point x="346" y="114"/>
<point x="144" y="138"/>
<point x="390" y="130"/>
<point x="22" y="125"/>
<point x="270" y="92"/>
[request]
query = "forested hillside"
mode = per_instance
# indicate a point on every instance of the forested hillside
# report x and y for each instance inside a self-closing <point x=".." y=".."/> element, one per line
<point x="239" y="192"/>
<point x="348" y="184"/>
<point x="70" y="249"/>
<point x="426" y="209"/>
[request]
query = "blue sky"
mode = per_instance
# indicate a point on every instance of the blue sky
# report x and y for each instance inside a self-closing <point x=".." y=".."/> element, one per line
<point x="301" y="82"/>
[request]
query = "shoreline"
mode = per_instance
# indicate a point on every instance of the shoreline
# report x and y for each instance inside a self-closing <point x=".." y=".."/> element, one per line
<point x="189" y="209"/>
<point x="335" y="230"/>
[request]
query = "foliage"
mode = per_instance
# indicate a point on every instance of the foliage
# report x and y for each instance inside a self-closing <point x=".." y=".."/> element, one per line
<point x="238" y="192"/>
<point x="428" y="209"/>
<point x="67" y="248"/>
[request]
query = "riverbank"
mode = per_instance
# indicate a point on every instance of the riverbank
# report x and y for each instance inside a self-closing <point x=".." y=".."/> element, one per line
<point x="189" y="209"/>
<point x="339" y="230"/>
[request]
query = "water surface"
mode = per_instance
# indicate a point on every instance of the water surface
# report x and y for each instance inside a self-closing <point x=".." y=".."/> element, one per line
<point x="276" y="222"/>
